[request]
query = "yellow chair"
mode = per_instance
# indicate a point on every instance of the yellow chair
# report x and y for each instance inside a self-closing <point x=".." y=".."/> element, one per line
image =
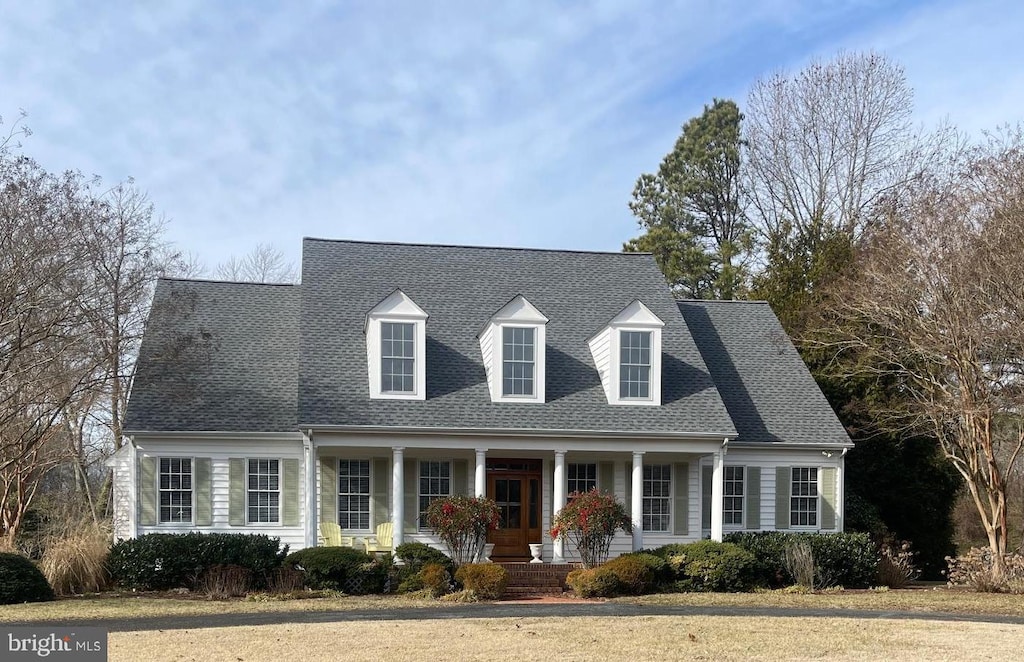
<point x="330" y="532"/>
<point x="382" y="542"/>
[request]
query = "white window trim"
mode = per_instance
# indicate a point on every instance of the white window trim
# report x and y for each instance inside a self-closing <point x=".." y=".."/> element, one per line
<point x="517" y="313"/>
<point x="337" y="491"/>
<point x="397" y="308"/>
<point x="672" y="482"/>
<point x="743" y="501"/>
<point x="176" y="525"/>
<point x="538" y="362"/>
<point x="419" y="494"/>
<point x="635" y="317"/>
<point x="280" y="492"/>
<point x="817" y="517"/>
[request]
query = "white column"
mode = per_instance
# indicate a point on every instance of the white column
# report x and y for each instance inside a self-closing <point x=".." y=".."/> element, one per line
<point x="558" y="555"/>
<point x="841" y="493"/>
<point x="717" y="491"/>
<point x="636" y="508"/>
<point x="481" y="472"/>
<point x="398" y="496"/>
<point x="312" y="503"/>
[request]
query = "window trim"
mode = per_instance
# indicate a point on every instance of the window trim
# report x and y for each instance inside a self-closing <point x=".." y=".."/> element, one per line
<point x="399" y="308"/>
<point x="634" y="317"/>
<point x="649" y="366"/>
<point x="414" y="358"/>
<point x="743" y="498"/>
<point x="192" y="461"/>
<point x="501" y="358"/>
<point x="338" y="493"/>
<point x="597" y="477"/>
<point x="670" y="525"/>
<point x="280" y="493"/>
<point x="817" y="487"/>
<point x="419" y="494"/>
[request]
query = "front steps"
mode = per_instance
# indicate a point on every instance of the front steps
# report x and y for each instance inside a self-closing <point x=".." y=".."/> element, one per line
<point x="529" y="580"/>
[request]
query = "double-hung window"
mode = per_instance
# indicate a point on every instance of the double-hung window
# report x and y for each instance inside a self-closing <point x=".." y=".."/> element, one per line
<point x="175" y="490"/>
<point x="732" y="497"/>
<point x="435" y="483"/>
<point x="398" y="358"/>
<point x="354" y="494"/>
<point x="264" y="493"/>
<point x="803" y="501"/>
<point x="657" y="497"/>
<point x="518" y="361"/>
<point x="581" y="478"/>
<point x="635" y="365"/>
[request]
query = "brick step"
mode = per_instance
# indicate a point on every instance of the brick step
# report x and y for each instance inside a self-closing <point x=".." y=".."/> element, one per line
<point x="528" y="591"/>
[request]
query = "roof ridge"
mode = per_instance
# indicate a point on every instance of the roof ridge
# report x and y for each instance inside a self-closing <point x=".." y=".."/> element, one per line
<point x="472" y="246"/>
<point x="215" y="281"/>
<point x="723" y="301"/>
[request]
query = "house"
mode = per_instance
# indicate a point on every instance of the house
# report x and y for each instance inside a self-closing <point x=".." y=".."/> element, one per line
<point x="396" y="374"/>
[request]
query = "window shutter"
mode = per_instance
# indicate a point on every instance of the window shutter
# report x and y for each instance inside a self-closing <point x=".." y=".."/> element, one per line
<point x="411" y="481"/>
<point x="706" y="478"/>
<point x="236" y="491"/>
<point x="460" y="478"/>
<point x="147" y="490"/>
<point x="681" y="504"/>
<point x="204" y="491"/>
<point x="329" y="489"/>
<point x="606" y="477"/>
<point x="752" y="497"/>
<point x="290" y="492"/>
<point x="828" y="498"/>
<point x="783" y="484"/>
<point x="629" y="487"/>
<point x="381" y="469"/>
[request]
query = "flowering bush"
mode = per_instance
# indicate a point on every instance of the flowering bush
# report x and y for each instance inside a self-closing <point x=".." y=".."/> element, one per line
<point x="462" y="523"/>
<point x="589" y="521"/>
<point x="977" y="570"/>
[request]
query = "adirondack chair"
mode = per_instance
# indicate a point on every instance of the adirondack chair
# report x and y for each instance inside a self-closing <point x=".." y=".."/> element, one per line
<point x="331" y="534"/>
<point x="381" y="542"/>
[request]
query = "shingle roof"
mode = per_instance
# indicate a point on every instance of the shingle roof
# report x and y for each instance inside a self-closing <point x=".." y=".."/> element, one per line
<point x="460" y="288"/>
<point x="218" y="356"/>
<point x="766" y="386"/>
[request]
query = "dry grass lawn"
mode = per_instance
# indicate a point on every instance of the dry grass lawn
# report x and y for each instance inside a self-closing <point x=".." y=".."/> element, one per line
<point x="588" y="638"/>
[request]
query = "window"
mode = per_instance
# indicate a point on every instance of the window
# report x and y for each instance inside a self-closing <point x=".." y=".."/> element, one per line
<point x="264" y="502"/>
<point x="354" y="494"/>
<point x="581" y="477"/>
<point x="517" y="360"/>
<point x="803" y="502"/>
<point x="657" y="496"/>
<point x="435" y="482"/>
<point x="397" y="368"/>
<point x="732" y="497"/>
<point x="635" y="364"/>
<point x="175" y="490"/>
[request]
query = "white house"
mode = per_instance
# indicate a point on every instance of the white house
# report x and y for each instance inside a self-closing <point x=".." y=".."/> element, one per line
<point x="396" y="374"/>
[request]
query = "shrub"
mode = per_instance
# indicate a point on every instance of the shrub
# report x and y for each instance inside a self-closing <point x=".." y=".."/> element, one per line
<point x="416" y="554"/>
<point x="896" y="567"/>
<point x="798" y="560"/>
<point x="638" y="573"/>
<point x="76" y="562"/>
<point x="21" y="581"/>
<point x="225" y="581"/>
<point x="590" y="521"/>
<point x="284" y="580"/>
<point x="435" y="579"/>
<point x="707" y="565"/>
<point x="841" y="559"/>
<point x="487" y="580"/>
<point x="340" y="569"/>
<point x="975" y="569"/>
<point x="593" y="582"/>
<point x="462" y="524"/>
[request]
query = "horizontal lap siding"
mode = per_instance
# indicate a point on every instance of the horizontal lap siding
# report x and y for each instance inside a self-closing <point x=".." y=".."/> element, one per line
<point x="122" y="494"/>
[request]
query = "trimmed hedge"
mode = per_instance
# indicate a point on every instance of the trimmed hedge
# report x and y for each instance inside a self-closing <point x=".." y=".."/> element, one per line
<point x="340" y="569"/>
<point x="162" y="561"/>
<point x="22" y="581"/>
<point x="708" y="566"/>
<point x="415" y="556"/>
<point x="435" y="578"/>
<point x="487" y="580"/>
<point x="599" y="582"/>
<point x="638" y="573"/>
<point x="841" y="559"/>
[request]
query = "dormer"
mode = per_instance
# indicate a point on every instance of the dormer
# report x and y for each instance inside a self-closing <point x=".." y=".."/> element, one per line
<point x="396" y="342"/>
<point x="627" y="354"/>
<point x="512" y="345"/>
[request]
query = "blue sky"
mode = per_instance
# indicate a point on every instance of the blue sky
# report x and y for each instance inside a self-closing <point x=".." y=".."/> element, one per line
<point x="518" y="123"/>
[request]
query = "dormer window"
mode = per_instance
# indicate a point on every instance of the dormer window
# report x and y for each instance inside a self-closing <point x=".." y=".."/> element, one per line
<point x="396" y="348"/>
<point x="512" y="345"/>
<point x="635" y="365"/>
<point x="627" y="353"/>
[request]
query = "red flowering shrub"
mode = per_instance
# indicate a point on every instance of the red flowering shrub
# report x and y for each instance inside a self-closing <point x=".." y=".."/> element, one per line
<point x="590" y="521"/>
<point x="462" y="524"/>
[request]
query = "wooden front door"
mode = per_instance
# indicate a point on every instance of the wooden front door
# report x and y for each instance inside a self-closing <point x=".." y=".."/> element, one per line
<point x="515" y="486"/>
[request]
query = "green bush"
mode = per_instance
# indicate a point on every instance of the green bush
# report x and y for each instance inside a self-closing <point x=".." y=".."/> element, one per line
<point x="21" y="581"/>
<point x="415" y="555"/>
<point x="161" y="561"/>
<point x="841" y="559"/>
<point x="596" y="582"/>
<point x="487" y="580"/>
<point x="340" y="569"/>
<point x="638" y="573"/>
<point x="707" y="565"/>
<point x="435" y="578"/>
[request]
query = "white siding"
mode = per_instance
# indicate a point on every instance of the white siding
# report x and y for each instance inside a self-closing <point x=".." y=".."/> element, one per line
<point x="486" y="347"/>
<point x="600" y="350"/>
<point x="123" y="492"/>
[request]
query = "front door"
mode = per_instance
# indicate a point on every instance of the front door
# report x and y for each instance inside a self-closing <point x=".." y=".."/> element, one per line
<point x="515" y="486"/>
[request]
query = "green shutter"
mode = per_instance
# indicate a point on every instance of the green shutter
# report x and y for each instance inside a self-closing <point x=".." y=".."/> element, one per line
<point x="329" y="489"/>
<point x="681" y="505"/>
<point x="828" y="498"/>
<point x="381" y="469"/>
<point x="290" y="493"/>
<point x="147" y="490"/>
<point x="411" y="484"/>
<point x="783" y="484"/>
<point x="204" y="491"/>
<point x="606" y="477"/>
<point x="460" y="478"/>
<point x="752" y="496"/>
<point x="236" y="491"/>
<point x="706" y="480"/>
<point x="629" y="486"/>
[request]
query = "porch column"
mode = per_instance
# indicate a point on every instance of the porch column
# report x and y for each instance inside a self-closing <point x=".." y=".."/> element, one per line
<point x="558" y="555"/>
<point x="397" y="496"/>
<point x="481" y="472"/>
<point x="717" y="491"/>
<point x="636" y="508"/>
<point x="312" y="502"/>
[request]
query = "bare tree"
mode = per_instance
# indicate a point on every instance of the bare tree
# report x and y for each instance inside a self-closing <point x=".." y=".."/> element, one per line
<point x="264" y="264"/>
